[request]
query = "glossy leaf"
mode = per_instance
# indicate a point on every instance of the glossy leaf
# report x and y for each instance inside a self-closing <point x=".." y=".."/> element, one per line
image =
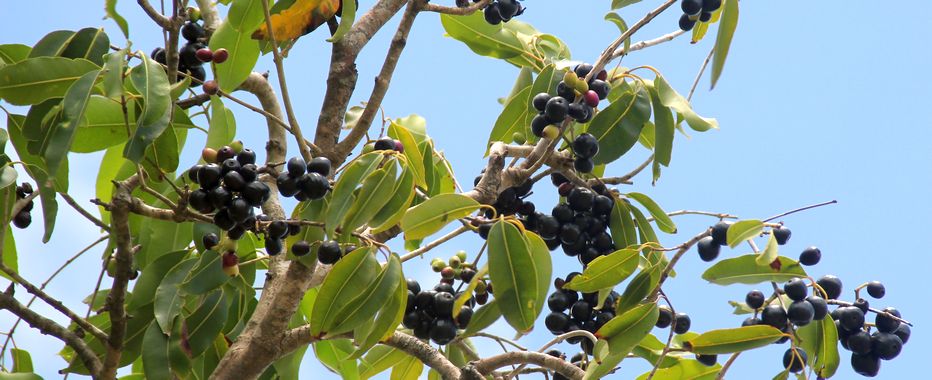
<point x="408" y="369"/>
<point x="481" y="37"/>
<point x="244" y="53"/>
<point x="638" y="288"/>
<point x="745" y="270"/>
<point x="103" y="125"/>
<point x="622" y="227"/>
<point x="670" y="98"/>
<point x="347" y="16"/>
<point x="606" y="271"/>
<point x="521" y="271"/>
<point x="396" y="207"/>
<point x="660" y="217"/>
<point x="342" y="194"/>
<point x="155" y="357"/>
<point x="623" y="334"/>
<point x="770" y="252"/>
<point x="376" y="190"/>
<point x="7" y="176"/>
<point x="150" y="277"/>
<point x="621" y="24"/>
<point x="433" y="214"/>
<point x="726" y="341"/>
<point x="207" y="321"/>
<point x="618" y="126"/>
<point x="484" y="317"/>
<point x="58" y="141"/>
<point x="349" y="277"/>
<point x="111" y="12"/>
<point x="389" y="317"/>
<point x="222" y="124"/>
<point x="88" y="43"/>
<point x="22" y="361"/>
<point x="207" y="275"/>
<point x="726" y="31"/>
<point x="246" y="15"/>
<point x="366" y="304"/>
<point x="820" y="340"/>
<point x="169" y="297"/>
<point x="686" y="369"/>
<point x="378" y="360"/>
<point x="743" y="230"/>
<point x="411" y="151"/>
<point x="617" y="4"/>
<point x="512" y="119"/>
<point x="34" y="80"/>
<point x="12" y="53"/>
<point x="664" y="129"/>
<point x="150" y="80"/>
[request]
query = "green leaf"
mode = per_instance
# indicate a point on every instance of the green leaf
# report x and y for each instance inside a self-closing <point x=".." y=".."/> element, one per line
<point x="246" y="15"/>
<point x="521" y="271"/>
<point x="623" y="334"/>
<point x="22" y="361"/>
<point x="390" y="316"/>
<point x="244" y="53"/>
<point x="103" y="125"/>
<point x="168" y="296"/>
<point x="378" y="360"/>
<point x="745" y="270"/>
<point x="376" y="190"/>
<point x="58" y="141"/>
<point x="606" y="271"/>
<point x="19" y="376"/>
<point x="34" y="80"/>
<point x="743" y="230"/>
<point x="726" y="341"/>
<point x="349" y="277"/>
<point x="726" y="30"/>
<point x="670" y="98"/>
<point x="617" y="4"/>
<point x="7" y="176"/>
<point x="334" y="355"/>
<point x="525" y="78"/>
<point x="484" y="317"/>
<point x="621" y="24"/>
<point x="347" y="17"/>
<point x="663" y="221"/>
<point x="111" y="12"/>
<point x="88" y="43"/>
<point x="513" y="117"/>
<point x="481" y="37"/>
<point x="222" y="128"/>
<point x="618" y="126"/>
<point x="35" y="167"/>
<point x="620" y="224"/>
<point x="638" y="288"/>
<point x="207" y="275"/>
<point x="12" y="53"/>
<point x="770" y="252"/>
<point x="415" y="157"/>
<point x="820" y="340"/>
<point x="686" y="369"/>
<point x="402" y="195"/>
<point x="342" y="194"/>
<point x="367" y="303"/>
<point x="664" y="129"/>
<point x="207" y="321"/>
<point x="150" y="278"/>
<point x="155" y="357"/>
<point x="431" y="215"/>
<point x="408" y="369"/>
<point x="150" y="80"/>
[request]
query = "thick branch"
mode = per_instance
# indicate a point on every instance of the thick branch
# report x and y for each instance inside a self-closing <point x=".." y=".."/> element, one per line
<point x="49" y="327"/>
<point x="565" y="368"/>
<point x="209" y="15"/>
<point x="159" y="19"/>
<point x="425" y="353"/>
<point x="341" y="80"/>
<point x="382" y="81"/>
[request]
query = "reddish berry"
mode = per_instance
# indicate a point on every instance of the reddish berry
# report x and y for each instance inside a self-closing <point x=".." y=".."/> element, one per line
<point x="591" y="98"/>
<point x="211" y="87"/>
<point x="204" y="55"/>
<point x="221" y="55"/>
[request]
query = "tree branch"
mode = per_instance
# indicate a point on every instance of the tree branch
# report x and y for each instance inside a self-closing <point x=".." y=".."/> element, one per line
<point x="425" y="353"/>
<point x="464" y="11"/>
<point x="607" y="55"/>
<point x="492" y="363"/>
<point x="647" y="43"/>
<point x="49" y="327"/>
<point x="382" y="82"/>
<point x="209" y="15"/>
<point x="87" y="215"/>
<point x="159" y="18"/>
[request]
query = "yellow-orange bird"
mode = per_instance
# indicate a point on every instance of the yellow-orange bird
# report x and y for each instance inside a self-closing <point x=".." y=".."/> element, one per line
<point x="299" y="19"/>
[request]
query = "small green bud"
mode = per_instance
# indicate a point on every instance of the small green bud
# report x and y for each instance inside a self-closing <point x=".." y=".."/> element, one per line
<point x="438" y="265"/>
<point x="462" y="255"/>
<point x="455" y="261"/>
<point x="519" y="138"/>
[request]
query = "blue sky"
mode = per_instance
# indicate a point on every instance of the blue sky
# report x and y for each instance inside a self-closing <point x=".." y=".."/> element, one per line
<point x="818" y="101"/>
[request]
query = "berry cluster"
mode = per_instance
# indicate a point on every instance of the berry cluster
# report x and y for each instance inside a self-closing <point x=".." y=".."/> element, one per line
<point x="571" y="311"/>
<point x="188" y="58"/>
<point x="585" y="147"/>
<point x="205" y="55"/>
<point x="305" y="180"/>
<point x="498" y="11"/>
<point x="329" y="252"/>
<point x="697" y="10"/>
<point x="387" y="143"/>
<point x="555" y="109"/>
<point x="23" y="218"/>
<point x="709" y="247"/>
<point x="429" y="313"/>
<point x="513" y="200"/>
<point x="578" y="225"/>
<point x="868" y="349"/>
<point x="228" y="185"/>
<point x="229" y="261"/>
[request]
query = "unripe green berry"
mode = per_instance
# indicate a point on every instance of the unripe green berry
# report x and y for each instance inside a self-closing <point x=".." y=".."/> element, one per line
<point x="438" y="265"/>
<point x="462" y="255"/>
<point x="455" y="262"/>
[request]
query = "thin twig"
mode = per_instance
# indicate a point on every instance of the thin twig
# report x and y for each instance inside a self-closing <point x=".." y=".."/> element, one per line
<point x="727" y="365"/>
<point x="692" y="90"/>
<point x="778" y="216"/>
<point x="464" y="11"/>
<point x="647" y="43"/>
<point x="433" y="244"/>
<point x="87" y="215"/>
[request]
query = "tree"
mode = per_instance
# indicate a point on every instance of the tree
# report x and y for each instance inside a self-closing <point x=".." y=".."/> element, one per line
<point x="196" y="246"/>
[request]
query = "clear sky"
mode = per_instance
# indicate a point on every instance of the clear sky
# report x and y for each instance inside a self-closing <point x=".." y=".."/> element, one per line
<point x="818" y="101"/>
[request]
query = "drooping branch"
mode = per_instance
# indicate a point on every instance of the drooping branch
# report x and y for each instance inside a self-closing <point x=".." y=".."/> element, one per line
<point x="492" y="363"/>
<point x="49" y="327"/>
<point x="382" y="81"/>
